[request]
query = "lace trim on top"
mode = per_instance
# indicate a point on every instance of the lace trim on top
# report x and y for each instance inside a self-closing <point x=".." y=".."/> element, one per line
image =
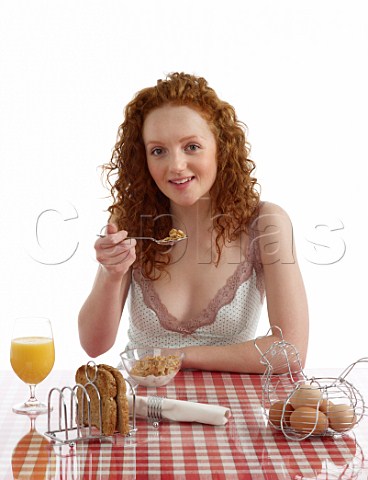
<point x="223" y="297"/>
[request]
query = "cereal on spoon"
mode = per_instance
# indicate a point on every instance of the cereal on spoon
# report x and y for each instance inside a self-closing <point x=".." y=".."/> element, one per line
<point x="174" y="234"/>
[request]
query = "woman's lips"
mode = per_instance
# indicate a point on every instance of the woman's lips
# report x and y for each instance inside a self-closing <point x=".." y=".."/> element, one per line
<point x="181" y="182"/>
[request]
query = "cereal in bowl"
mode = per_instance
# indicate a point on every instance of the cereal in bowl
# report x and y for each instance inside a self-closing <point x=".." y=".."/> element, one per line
<point x="157" y="366"/>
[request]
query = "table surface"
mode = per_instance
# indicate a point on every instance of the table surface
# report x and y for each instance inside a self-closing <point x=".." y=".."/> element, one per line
<point x="247" y="447"/>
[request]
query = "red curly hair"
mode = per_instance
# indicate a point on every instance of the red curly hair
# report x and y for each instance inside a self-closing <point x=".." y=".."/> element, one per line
<point x="141" y="208"/>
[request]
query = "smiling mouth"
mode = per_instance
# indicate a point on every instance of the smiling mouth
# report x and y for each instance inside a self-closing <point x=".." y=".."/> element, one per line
<point x="181" y="181"/>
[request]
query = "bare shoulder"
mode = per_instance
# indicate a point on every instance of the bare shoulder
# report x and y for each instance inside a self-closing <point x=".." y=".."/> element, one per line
<point x="269" y="208"/>
<point x="274" y="234"/>
<point x="271" y="214"/>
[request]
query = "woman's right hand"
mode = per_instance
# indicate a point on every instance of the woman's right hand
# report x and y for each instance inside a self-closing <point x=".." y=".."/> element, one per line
<point x="114" y="252"/>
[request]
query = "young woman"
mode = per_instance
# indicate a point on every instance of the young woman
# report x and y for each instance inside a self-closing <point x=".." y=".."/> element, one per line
<point x="182" y="161"/>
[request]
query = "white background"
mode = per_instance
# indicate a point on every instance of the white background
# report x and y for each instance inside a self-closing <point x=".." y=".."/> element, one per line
<point x="296" y="72"/>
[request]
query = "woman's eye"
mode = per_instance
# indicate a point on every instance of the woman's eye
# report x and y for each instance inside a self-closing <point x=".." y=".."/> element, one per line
<point x="192" y="147"/>
<point x="157" y="151"/>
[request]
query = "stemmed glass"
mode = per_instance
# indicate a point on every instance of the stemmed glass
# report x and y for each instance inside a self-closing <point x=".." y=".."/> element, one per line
<point x="32" y="356"/>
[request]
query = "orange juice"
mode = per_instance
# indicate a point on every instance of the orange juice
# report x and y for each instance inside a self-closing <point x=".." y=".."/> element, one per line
<point x="32" y="358"/>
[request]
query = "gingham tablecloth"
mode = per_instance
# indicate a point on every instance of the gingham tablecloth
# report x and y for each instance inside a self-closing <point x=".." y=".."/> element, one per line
<point x="245" y="448"/>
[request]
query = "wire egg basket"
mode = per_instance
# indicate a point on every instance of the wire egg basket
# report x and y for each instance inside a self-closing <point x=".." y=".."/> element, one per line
<point x="302" y="406"/>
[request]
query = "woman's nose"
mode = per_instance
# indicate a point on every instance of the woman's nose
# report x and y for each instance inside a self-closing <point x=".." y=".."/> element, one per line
<point x="178" y="161"/>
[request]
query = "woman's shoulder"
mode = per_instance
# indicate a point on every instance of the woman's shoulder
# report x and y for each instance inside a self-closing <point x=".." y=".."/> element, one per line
<point x="269" y="214"/>
<point x="274" y="232"/>
<point x="269" y="208"/>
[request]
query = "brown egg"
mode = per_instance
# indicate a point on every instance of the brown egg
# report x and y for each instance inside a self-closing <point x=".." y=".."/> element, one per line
<point x="308" y="420"/>
<point x="275" y="413"/>
<point x="341" y="417"/>
<point x="306" y="396"/>
<point x="325" y="405"/>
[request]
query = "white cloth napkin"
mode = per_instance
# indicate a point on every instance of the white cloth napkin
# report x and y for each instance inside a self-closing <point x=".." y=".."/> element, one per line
<point x="183" y="411"/>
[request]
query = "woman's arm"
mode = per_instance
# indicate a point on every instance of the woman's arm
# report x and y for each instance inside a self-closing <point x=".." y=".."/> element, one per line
<point x="99" y="317"/>
<point x="286" y="301"/>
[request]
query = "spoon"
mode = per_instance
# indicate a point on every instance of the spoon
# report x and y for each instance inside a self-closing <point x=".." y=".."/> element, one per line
<point x="163" y="241"/>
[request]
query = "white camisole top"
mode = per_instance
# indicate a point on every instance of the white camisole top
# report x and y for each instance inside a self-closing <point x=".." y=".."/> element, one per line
<point x="231" y="316"/>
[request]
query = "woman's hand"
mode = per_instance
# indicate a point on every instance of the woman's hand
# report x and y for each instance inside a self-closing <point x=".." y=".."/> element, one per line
<point x="114" y="252"/>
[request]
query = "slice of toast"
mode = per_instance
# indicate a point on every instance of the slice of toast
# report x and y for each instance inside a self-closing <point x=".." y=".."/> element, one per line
<point x="106" y="384"/>
<point x="114" y="403"/>
<point x="121" y="400"/>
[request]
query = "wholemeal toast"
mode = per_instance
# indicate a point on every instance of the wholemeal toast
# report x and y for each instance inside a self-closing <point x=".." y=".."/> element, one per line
<point x="114" y="405"/>
<point x="121" y="400"/>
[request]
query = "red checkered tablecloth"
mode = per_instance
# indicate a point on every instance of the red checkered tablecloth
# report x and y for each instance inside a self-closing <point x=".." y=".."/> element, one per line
<point x="245" y="448"/>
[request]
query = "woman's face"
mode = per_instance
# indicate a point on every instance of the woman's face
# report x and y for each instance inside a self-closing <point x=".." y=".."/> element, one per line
<point x="181" y="153"/>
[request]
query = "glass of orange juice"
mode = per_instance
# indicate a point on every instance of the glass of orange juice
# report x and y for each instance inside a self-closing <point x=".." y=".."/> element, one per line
<point x="32" y="356"/>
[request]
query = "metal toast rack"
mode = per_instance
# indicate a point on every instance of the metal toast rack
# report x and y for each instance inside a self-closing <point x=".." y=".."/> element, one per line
<point x="73" y="413"/>
<point x="302" y="406"/>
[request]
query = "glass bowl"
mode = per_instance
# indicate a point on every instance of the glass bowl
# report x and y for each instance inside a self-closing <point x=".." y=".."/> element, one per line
<point x="151" y="366"/>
